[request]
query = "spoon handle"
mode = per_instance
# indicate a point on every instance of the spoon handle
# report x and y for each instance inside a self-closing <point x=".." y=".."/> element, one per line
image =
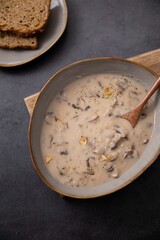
<point x="150" y="93"/>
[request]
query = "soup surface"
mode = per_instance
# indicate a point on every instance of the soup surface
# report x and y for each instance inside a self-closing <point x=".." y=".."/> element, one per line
<point x="84" y="141"/>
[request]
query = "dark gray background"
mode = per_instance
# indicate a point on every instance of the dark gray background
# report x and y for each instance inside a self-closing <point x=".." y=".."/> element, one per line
<point x="28" y="208"/>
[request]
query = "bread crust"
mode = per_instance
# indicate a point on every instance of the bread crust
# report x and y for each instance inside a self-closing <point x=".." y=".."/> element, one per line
<point x="11" y="41"/>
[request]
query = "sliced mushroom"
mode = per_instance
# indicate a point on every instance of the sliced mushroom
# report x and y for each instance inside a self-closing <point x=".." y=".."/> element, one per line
<point x="63" y="125"/>
<point x="109" y="167"/>
<point x="145" y="141"/>
<point x="90" y="161"/>
<point x="49" y="116"/>
<point x="115" y="173"/>
<point x="113" y="144"/>
<point x="93" y="119"/>
<point x="118" y="136"/>
<point x="129" y="151"/>
<point x="128" y="154"/>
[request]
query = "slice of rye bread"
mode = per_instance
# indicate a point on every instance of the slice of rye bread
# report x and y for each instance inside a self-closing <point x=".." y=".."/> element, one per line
<point x="9" y="40"/>
<point x="24" y="17"/>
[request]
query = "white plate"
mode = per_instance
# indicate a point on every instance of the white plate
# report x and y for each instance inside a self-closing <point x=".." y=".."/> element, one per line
<point x="54" y="29"/>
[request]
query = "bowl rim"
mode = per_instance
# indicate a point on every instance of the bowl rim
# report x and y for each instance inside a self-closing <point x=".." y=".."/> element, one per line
<point x="32" y="117"/>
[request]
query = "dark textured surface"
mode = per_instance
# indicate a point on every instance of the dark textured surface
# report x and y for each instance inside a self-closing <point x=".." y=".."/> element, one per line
<point x="28" y="209"/>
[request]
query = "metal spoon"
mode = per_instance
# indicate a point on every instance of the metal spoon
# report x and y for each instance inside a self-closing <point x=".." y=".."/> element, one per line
<point x="134" y="115"/>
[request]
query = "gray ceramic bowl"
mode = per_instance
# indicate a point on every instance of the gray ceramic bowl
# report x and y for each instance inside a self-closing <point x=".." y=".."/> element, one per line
<point x="59" y="81"/>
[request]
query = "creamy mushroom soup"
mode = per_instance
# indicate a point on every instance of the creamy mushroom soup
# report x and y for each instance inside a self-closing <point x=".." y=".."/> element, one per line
<point x="84" y="140"/>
